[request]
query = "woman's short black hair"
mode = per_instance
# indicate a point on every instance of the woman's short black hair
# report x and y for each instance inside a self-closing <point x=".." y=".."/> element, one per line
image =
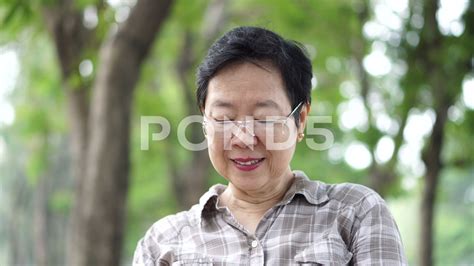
<point x="258" y="44"/>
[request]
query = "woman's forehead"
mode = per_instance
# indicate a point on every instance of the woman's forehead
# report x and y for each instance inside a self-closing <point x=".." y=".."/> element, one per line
<point x="247" y="72"/>
<point x="254" y="97"/>
<point x="247" y="83"/>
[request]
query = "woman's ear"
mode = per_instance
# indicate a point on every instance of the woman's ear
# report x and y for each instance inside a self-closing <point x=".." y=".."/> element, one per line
<point x="303" y="119"/>
<point x="204" y="131"/>
<point x="305" y="109"/>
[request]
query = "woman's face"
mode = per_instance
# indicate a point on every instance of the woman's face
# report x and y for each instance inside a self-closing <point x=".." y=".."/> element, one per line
<point x="245" y="155"/>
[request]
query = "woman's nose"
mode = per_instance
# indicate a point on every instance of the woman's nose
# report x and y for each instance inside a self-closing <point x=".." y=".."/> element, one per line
<point x="243" y="136"/>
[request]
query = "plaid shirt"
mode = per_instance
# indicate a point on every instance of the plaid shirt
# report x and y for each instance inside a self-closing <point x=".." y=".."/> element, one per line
<point x="315" y="223"/>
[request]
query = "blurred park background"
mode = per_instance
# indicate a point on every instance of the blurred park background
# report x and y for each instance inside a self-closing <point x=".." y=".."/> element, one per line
<point x="76" y="77"/>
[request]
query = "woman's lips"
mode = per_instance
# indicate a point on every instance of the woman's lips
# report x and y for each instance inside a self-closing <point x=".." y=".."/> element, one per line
<point x="247" y="164"/>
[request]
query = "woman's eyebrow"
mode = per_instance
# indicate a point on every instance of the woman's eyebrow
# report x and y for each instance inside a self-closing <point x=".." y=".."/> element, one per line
<point x="224" y="104"/>
<point x="260" y="104"/>
<point x="268" y="103"/>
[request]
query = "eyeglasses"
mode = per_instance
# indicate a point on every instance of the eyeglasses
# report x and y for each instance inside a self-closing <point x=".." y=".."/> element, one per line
<point x="227" y="128"/>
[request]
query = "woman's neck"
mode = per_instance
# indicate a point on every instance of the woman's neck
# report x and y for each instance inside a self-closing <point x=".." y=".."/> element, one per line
<point x="257" y="202"/>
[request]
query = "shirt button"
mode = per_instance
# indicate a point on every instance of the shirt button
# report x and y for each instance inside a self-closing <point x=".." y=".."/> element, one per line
<point x="254" y="243"/>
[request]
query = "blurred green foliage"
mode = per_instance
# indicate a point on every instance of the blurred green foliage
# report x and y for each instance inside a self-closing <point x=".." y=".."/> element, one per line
<point x="37" y="145"/>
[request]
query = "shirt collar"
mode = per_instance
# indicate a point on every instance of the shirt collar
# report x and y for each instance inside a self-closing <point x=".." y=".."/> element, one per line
<point x="208" y="202"/>
<point x="313" y="191"/>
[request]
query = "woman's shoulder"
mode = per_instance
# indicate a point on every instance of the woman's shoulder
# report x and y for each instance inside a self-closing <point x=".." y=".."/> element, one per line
<point x="360" y="198"/>
<point x="171" y="226"/>
<point x="356" y="196"/>
<point x="161" y="236"/>
<point x="175" y="226"/>
<point x="345" y="193"/>
<point x="351" y="193"/>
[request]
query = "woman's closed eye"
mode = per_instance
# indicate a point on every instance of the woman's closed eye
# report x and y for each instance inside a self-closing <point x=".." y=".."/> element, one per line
<point x="265" y="121"/>
<point x="223" y="120"/>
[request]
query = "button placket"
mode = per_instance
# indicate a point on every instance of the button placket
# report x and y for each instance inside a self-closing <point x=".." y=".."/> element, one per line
<point x="256" y="256"/>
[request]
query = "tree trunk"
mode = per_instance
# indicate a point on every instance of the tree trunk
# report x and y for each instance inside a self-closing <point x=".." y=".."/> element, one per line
<point x="431" y="46"/>
<point x="64" y="24"/>
<point x="190" y="182"/>
<point x="98" y="239"/>
<point x="432" y="159"/>
<point x="99" y="132"/>
<point x="78" y="114"/>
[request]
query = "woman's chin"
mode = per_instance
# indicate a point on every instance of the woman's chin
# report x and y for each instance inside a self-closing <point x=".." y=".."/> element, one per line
<point x="249" y="182"/>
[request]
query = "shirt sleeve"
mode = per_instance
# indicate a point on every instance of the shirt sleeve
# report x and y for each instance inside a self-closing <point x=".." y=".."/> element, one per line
<point x="377" y="239"/>
<point x="154" y="248"/>
<point x="147" y="252"/>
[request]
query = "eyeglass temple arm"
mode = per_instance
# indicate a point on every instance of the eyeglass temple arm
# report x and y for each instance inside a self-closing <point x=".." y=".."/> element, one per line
<point x="296" y="108"/>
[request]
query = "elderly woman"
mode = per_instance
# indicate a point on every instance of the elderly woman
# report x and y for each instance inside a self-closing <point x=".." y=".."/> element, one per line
<point x="254" y="90"/>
